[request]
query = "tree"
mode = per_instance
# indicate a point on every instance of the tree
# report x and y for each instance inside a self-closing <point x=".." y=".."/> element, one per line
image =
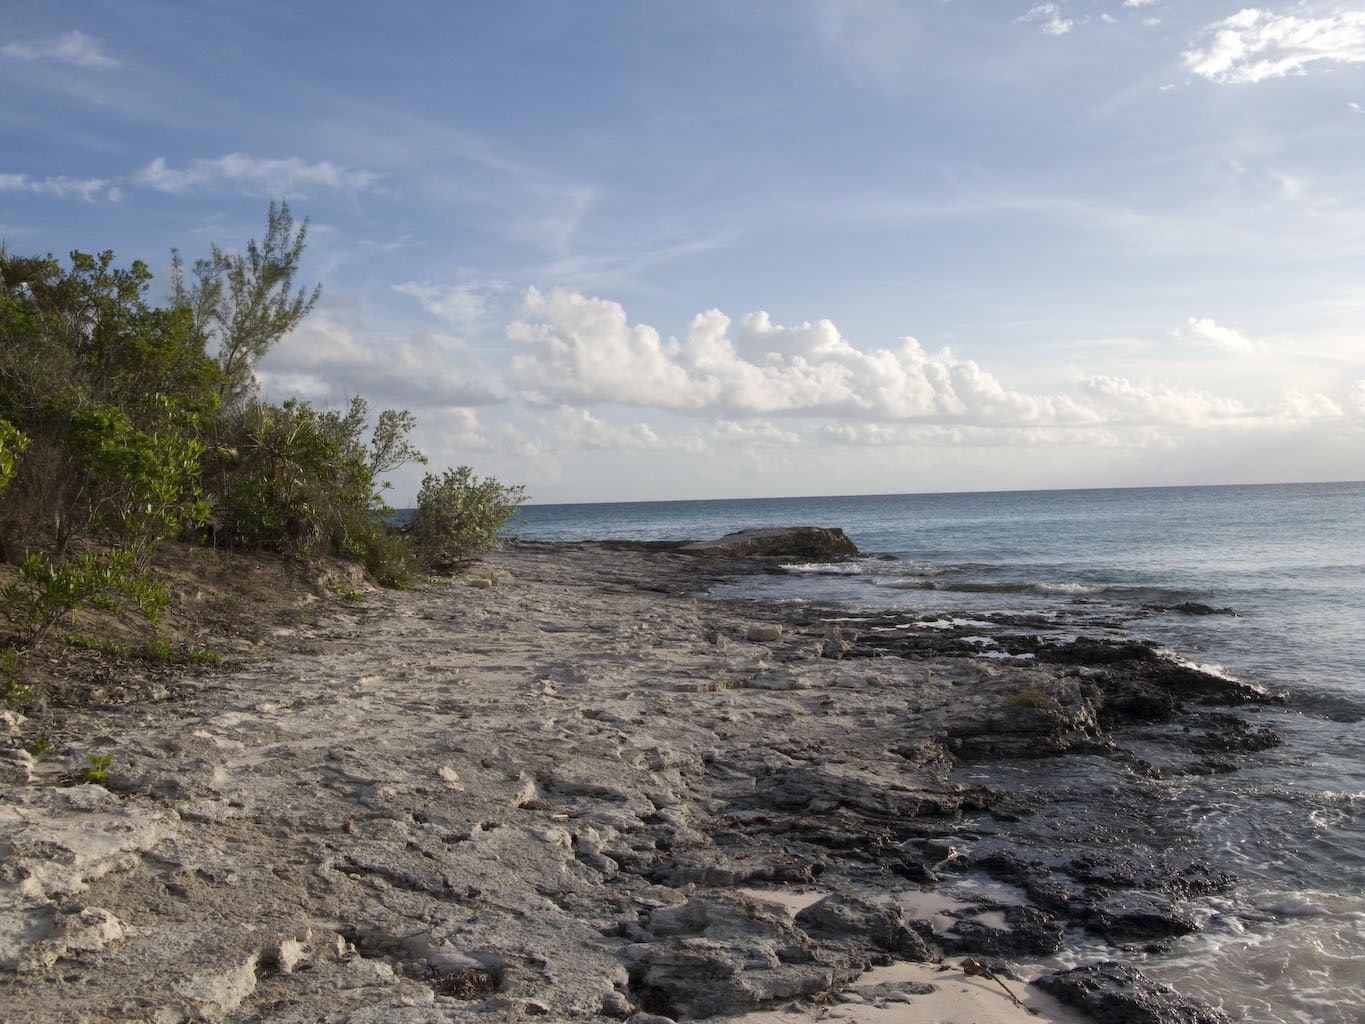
<point x="459" y="515"/>
<point x="246" y="303"/>
<point x="81" y="350"/>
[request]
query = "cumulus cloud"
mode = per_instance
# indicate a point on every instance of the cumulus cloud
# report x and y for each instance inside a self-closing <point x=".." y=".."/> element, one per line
<point x="585" y="349"/>
<point x="1225" y="339"/>
<point x="1140" y="3"/>
<point x="87" y="189"/>
<point x="579" y="428"/>
<point x="1254" y="45"/>
<point x="1049" y="17"/>
<point x="74" y="48"/>
<point x="288" y="176"/>
<point x="1138" y="403"/>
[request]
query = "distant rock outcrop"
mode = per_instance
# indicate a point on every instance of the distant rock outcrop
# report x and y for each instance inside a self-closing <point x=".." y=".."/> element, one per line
<point x="818" y="542"/>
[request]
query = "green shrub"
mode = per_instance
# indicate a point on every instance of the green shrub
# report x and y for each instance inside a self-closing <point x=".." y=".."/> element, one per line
<point x="300" y="481"/>
<point x="459" y="515"/>
<point x="100" y="580"/>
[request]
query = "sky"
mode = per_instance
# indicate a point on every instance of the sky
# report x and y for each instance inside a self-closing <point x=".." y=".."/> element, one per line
<point x="620" y="250"/>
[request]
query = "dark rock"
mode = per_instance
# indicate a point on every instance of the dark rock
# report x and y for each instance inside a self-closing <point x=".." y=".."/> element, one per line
<point x="1028" y="931"/>
<point x="1191" y="608"/>
<point x="1116" y="993"/>
<point x="817" y="542"/>
<point x="1138" y="917"/>
<point x="848" y="921"/>
<point x="725" y="954"/>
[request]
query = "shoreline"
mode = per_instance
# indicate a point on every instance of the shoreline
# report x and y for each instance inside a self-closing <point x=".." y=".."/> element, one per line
<point x="553" y="787"/>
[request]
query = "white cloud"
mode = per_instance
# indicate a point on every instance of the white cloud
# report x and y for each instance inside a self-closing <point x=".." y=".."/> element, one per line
<point x="1140" y="3"/>
<point x="88" y="189"/>
<point x="1148" y="403"/>
<point x="1297" y="408"/>
<point x="1254" y="45"/>
<point x="1049" y="17"/>
<point x="74" y="48"/>
<point x="584" y="349"/>
<point x="289" y="176"/>
<point x="579" y="428"/>
<point x="1355" y="402"/>
<point x="1225" y="338"/>
<point x="760" y="434"/>
<point x="326" y="360"/>
<point x="460" y="304"/>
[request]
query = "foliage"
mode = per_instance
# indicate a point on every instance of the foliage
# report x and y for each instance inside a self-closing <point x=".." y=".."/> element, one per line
<point x="40" y="746"/>
<point x="143" y="486"/>
<point x="244" y="301"/>
<point x="12" y="688"/>
<point x="82" y="350"/>
<point x="100" y="580"/>
<point x="459" y="515"/>
<point x="123" y="424"/>
<point x="96" y="767"/>
<point x="12" y="445"/>
<point x="298" y="480"/>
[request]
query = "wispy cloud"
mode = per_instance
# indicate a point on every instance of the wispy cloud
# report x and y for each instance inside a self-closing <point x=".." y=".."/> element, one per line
<point x="869" y="39"/>
<point x="463" y="305"/>
<point x="74" y="48"/>
<point x="88" y="189"/>
<point x="1049" y="17"/>
<point x="288" y="176"/>
<point x="1254" y="45"/>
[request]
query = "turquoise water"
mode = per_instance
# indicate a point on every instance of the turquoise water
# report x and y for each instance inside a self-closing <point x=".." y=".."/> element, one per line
<point x="1288" y="560"/>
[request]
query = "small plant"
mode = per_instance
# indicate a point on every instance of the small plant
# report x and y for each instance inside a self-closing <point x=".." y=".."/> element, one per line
<point x="96" y="767"/>
<point x="40" y="746"/>
<point x="1032" y="697"/>
<point x="160" y="652"/>
<point x="12" y="689"/>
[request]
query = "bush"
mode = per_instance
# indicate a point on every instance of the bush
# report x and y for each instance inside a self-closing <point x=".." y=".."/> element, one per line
<point x="47" y="591"/>
<point x="459" y="515"/>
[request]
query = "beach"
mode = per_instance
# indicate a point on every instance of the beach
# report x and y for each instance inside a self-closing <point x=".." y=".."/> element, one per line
<point x="564" y="784"/>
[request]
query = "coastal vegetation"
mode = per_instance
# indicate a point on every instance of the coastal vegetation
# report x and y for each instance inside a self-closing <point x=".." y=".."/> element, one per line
<point x="126" y="426"/>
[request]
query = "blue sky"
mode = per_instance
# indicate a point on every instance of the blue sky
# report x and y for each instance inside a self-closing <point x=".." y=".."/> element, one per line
<point x="629" y="250"/>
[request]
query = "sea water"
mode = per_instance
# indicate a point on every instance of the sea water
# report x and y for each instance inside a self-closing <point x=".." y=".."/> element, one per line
<point x="1283" y="569"/>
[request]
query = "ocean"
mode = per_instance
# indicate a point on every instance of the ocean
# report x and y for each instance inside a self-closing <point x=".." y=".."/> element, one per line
<point x="1279" y="571"/>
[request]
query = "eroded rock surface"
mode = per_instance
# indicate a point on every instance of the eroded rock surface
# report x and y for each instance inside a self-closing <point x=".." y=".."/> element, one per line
<point x="538" y="795"/>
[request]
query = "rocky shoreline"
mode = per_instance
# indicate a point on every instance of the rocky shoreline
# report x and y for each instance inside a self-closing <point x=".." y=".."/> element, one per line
<point x="569" y="786"/>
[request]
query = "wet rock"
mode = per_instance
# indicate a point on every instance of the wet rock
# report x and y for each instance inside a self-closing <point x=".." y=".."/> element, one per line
<point x="1005" y="931"/>
<point x="1015" y="729"/>
<point x="1138" y="917"/>
<point x="1117" y="993"/>
<point x="1192" y="608"/>
<point x="815" y="542"/>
